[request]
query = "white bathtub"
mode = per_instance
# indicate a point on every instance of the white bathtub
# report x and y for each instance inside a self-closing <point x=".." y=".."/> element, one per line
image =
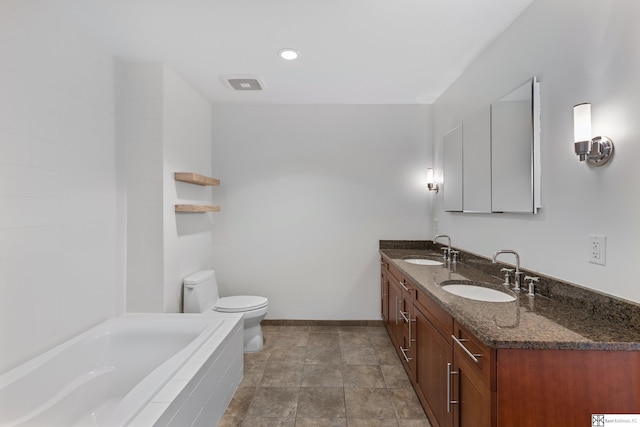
<point x="135" y="370"/>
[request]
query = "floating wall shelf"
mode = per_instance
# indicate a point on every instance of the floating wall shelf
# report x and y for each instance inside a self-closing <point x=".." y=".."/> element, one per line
<point x="197" y="208"/>
<point x="194" y="178"/>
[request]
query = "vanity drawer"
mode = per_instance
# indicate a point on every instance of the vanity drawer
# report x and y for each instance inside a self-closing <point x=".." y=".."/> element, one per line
<point x="476" y="355"/>
<point x="437" y="315"/>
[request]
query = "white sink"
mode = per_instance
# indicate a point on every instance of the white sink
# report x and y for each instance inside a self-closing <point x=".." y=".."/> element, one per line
<point x="421" y="261"/>
<point x="478" y="293"/>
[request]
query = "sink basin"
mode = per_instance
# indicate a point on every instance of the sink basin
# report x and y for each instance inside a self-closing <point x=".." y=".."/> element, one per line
<point x="478" y="293"/>
<point x="421" y="261"/>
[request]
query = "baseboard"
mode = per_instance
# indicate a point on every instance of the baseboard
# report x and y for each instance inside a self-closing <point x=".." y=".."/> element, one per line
<point x="292" y="322"/>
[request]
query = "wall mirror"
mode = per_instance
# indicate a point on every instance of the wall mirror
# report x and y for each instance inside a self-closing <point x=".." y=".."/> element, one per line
<point x="452" y="170"/>
<point x="515" y="150"/>
<point x="492" y="160"/>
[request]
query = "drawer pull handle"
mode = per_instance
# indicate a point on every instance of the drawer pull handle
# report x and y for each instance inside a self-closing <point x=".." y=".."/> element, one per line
<point x="449" y="401"/>
<point x="404" y="286"/>
<point x="459" y="341"/>
<point x="404" y="354"/>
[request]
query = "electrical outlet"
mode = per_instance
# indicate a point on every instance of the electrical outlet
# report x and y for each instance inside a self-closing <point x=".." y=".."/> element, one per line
<point x="598" y="249"/>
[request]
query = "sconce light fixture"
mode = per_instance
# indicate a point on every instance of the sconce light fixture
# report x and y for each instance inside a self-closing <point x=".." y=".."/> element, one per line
<point x="597" y="150"/>
<point x="432" y="185"/>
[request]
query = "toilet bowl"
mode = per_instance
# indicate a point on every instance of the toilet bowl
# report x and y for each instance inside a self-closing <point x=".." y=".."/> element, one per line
<point x="201" y="296"/>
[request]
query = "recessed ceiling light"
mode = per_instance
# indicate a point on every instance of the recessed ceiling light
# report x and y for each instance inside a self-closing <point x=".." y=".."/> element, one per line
<point x="288" y="54"/>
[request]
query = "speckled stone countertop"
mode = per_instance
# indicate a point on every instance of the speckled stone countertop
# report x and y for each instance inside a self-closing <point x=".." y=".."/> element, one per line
<point x="561" y="316"/>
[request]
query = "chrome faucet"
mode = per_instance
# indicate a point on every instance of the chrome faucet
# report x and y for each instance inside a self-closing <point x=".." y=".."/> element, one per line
<point x="517" y="274"/>
<point x="448" y="254"/>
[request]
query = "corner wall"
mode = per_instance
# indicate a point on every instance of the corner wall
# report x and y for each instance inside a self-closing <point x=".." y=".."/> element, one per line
<point x="580" y="52"/>
<point x="168" y="128"/>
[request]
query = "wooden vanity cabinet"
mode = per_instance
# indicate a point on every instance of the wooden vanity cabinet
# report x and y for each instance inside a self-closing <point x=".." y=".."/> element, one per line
<point x="457" y="377"/>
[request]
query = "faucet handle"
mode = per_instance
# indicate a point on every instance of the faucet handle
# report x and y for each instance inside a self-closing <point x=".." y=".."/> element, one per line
<point x="445" y="252"/>
<point x="507" y="272"/>
<point x="454" y="255"/>
<point x="532" y="280"/>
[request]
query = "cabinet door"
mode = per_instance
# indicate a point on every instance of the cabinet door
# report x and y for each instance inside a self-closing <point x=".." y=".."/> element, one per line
<point x="471" y="394"/>
<point x="473" y="380"/>
<point x="384" y="291"/>
<point x="433" y="362"/>
<point x="394" y="324"/>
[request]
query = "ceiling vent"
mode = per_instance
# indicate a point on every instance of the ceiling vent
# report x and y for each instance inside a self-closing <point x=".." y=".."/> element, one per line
<point x="243" y="82"/>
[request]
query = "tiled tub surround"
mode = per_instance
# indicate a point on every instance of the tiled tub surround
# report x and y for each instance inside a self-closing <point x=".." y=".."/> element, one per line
<point x="561" y="316"/>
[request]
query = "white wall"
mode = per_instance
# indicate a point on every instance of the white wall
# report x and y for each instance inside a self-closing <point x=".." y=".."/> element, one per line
<point x="142" y="100"/>
<point x="61" y="222"/>
<point x="306" y="193"/>
<point x="168" y="129"/>
<point x="581" y="52"/>
<point x="187" y="145"/>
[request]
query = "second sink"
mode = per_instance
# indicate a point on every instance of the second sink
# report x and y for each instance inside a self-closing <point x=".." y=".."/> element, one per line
<point x="478" y="293"/>
<point x="422" y="261"/>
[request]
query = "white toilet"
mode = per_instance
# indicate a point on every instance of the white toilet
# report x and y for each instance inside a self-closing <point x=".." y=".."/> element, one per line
<point x="201" y="295"/>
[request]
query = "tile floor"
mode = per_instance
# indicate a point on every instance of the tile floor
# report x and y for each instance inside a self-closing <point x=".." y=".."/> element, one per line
<point x="325" y="376"/>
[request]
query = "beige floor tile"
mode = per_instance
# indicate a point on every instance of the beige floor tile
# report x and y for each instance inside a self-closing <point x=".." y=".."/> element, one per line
<point x="274" y="402"/>
<point x="322" y="376"/>
<point x="282" y="375"/>
<point x="268" y="422"/>
<point x="359" y="356"/>
<point x="395" y="376"/>
<point x="406" y="404"/>
<point x="372" y="422"/>
<point x="368" y="403"/>
<point x="363" y="376"/>
<point x="321" y="402"/>
<point x="323" y="356"/>
<point x="325" y="376"/>
<point x="321" y="422"/>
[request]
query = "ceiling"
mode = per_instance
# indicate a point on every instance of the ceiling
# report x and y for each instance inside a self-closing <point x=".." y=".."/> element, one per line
<point x="351" y="51"/>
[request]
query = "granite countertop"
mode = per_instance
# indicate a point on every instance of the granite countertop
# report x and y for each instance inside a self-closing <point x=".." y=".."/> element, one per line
<point x="531" y="323"/>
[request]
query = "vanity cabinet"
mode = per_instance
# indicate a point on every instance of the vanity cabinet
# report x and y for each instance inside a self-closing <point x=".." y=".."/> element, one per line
<point x="452" y="372"/>
<point x="461" y="382"/>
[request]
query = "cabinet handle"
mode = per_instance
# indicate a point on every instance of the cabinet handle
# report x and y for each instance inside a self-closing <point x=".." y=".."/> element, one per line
<point x="449" y="401"/>
<point x="396" y="311"/>
<point x="404" y="317"/>
<point x="404" y="286"/>
<point x="459" y="341"/>
<point x="404" y="354"/>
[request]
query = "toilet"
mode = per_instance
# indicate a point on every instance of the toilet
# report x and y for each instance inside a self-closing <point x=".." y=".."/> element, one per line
<point x="201" y="296"/>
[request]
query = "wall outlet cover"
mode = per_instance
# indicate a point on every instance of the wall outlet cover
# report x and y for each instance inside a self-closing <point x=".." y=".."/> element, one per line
<point x="597" y="249"/>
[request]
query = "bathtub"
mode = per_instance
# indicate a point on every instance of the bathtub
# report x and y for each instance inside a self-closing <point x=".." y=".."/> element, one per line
<point x="135" y="370"/>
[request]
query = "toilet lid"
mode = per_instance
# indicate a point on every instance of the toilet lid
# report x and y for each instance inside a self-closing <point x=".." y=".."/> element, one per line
<point x="240" y="303"/>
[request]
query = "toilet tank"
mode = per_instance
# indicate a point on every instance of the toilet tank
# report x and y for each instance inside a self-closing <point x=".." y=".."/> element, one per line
<point x="200" y="291"/>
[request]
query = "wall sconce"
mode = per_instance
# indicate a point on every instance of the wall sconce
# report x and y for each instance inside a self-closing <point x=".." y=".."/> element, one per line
<point x="432" y="185"/>
<point x="596" y="151"/>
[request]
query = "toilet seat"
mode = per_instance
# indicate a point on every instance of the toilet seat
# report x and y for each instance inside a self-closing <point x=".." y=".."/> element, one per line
<point x="240" y="303"/>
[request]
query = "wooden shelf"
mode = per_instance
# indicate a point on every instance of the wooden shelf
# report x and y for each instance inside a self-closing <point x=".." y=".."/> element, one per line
<point x="194" y="178"/>
<point x="197" y="208"/>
